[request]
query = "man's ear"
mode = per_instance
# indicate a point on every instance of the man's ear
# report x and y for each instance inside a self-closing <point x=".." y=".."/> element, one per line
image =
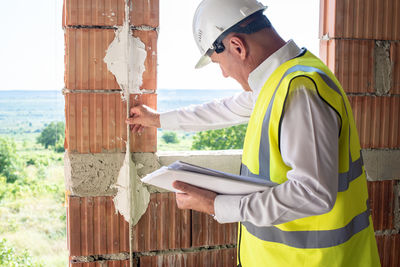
<point x="237" y="46"/>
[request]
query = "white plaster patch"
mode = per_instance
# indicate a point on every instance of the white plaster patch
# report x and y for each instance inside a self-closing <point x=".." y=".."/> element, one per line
<point x="125" y="59"/>
<point x="132" y="198"/>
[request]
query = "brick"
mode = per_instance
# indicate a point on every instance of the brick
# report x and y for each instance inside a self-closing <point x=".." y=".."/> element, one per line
<point x="94" y="227"/>
<point x="149" y="78"/>
<point x="208" y="232"/>
<point x="112" y="228"/>
<point x="382" y="201"/>
<point x="217" y="258"/>
<point x="377" y="120"/>
<point x="99" y="225"/>
<point x="395" y="59"/>
<point x="95" y="122"/>
<point x="163" y="226"/>
<point x="352" y="61"/>
<point x="87" y="226"/>
<point x="85" y="68"/>
<point x="147" y="140"/>
<point x="145" y="13"/>
<point x="360" y="19"/>
<point x="73" y="226"/>
<point x="93" y="12"/>
<point x="388" y="247"/>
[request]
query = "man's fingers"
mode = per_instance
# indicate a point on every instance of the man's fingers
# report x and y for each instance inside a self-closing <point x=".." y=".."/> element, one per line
<point x="136" y="128"/>
<point x="195" y="198"/>
<point x="181" y="200"/>
<point x="184" y="187"/>
<point x="179" y="185"/>
<point x="134" y="110"/>
<point x="131" y="120"/>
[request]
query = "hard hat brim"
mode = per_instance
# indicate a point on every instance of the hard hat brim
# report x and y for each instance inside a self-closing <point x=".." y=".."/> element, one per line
<point x="203" y="61"/>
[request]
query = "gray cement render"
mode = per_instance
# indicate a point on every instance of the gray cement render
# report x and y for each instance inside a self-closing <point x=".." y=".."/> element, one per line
<point x="145" y="163"/>
<point x="95" y="174"/>
<point x="92" y="174"/>
<point x="382" y="67"/>
<point x="382" y="164"/>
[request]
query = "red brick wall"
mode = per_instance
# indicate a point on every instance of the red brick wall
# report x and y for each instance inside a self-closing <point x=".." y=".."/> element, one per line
<point x="95" y="115"/>
<point x="95" y="229"/>
<point x="358" y="39"/>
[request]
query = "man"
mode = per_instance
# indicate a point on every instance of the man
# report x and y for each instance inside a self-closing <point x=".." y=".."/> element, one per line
<point x="301" y="135"/>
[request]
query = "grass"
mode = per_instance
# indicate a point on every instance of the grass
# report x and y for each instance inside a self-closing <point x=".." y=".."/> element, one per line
<point x="184" y="144"/>
<point x="33" y="215"/>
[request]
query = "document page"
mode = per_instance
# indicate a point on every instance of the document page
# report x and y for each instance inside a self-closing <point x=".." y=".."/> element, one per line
<point x="217" y="181"/>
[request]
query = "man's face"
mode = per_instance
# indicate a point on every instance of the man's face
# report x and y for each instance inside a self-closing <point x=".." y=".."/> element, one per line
<point x="231" y="66"/>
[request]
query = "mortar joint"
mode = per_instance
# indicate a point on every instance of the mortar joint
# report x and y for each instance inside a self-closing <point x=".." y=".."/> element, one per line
<point x="91" y="27"/>
<point x="144" y="28"/>
<point x="89" y="91"/>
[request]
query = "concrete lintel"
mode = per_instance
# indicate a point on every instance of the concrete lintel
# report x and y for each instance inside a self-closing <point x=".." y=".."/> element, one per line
<point x="382" y="164"/>
<point x="95" y="174"/>
<point x="92" y="174"/>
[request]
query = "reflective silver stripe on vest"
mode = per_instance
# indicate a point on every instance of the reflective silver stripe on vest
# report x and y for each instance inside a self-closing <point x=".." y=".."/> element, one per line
<point x="355" y="168"/>
<point x="312" y="239"/>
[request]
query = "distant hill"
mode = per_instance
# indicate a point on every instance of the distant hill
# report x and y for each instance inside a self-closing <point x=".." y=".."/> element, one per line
<point x="31" y="111"/>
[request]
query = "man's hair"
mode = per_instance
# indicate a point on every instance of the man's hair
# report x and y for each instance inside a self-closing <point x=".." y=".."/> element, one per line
<point x="249" y="25"/>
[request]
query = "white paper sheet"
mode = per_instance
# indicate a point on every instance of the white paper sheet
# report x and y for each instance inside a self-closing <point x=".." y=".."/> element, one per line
<point x="219" y="182"/>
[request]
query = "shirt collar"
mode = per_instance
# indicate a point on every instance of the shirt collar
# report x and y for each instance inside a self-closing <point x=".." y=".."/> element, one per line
<point x="260" y="75"/>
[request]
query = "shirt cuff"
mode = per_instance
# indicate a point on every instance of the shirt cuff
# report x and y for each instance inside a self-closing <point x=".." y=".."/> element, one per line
<point x="227" y="209"/>
<point x="169" y="120"/>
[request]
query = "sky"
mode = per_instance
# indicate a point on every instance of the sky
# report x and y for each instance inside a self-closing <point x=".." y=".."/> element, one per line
<point x="32" y="43"/>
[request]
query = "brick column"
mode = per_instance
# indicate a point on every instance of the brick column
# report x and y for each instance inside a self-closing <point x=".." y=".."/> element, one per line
<point x="360" y="44"/>
<point x="95" y="144"/>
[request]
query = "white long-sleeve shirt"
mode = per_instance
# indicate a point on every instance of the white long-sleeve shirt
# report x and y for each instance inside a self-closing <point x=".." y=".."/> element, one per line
<point x="309" y="145"/>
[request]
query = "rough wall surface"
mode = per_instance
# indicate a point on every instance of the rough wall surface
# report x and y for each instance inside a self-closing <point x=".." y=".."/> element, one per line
<point x="360" y="44"/>
<point x="96" y="137"/>
<point x="92" y="174"/>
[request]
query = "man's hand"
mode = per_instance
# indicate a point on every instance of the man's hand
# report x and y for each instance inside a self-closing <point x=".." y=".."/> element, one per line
<point x="194" y="198"/>
<point x="142" y="116"/>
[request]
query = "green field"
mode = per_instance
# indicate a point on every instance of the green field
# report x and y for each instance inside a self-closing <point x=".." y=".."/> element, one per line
<point x="32" y="195"/>
<point x="32" y="211"/>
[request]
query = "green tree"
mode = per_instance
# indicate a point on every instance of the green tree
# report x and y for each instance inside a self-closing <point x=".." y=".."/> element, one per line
<point x="9" y="163"/>
<point x="227" y="138"/>
<point x="10" y="257"/>
<point x="51" y="136"/>
<point x="170" y="137"/>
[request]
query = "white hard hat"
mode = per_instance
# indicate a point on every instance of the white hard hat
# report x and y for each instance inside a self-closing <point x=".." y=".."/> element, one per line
<point x="214" y="17"/>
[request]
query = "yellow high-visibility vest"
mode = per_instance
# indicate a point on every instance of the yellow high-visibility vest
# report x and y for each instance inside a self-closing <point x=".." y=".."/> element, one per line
<point x="343" y="236"/>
